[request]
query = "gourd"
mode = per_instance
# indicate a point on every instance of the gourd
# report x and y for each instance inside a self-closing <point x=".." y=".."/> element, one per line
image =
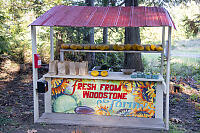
<point x="64" y="46"/>
<point x="134" y="47"/>
<point x="153" y="47"/>
<point x="102" y="47"/>
<point x="73" y="46"/>
<point x="93" y="47"/>
<point x="79" y="46"/>
<point x="94" y="73"/>
<point x="120" y="47"/>
<point x="98" y="47"/>
<point x="107" y="47"/>
<point x="128" y="47"/>
<point x="140" y="47"/>
<point x="86" y="47"/>
<point x="147" y="48"/>
<point x="104" y="73"/>
<point x="115" y="47"/>
<point x="159" y="48"/>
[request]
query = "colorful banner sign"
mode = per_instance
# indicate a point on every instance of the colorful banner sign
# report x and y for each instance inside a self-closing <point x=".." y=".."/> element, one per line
<point x="104" y="97"/>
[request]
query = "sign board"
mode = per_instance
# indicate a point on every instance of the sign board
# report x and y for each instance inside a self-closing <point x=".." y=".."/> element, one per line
<point x="104" y="97"/>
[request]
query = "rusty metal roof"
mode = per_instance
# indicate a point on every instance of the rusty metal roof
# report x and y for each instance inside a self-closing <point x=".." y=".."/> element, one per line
<point x="87" y="16"/>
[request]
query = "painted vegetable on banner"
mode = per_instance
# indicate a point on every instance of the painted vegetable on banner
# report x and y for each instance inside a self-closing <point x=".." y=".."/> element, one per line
<point x="104" y="97"/>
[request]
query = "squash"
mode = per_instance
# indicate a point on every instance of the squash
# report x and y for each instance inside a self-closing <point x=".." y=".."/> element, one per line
<point x="159" y="48"/>
<point x="73" y="46"/>
<point x="134" y="47"/>
<point x="120" y="47"/>
<point x="79" y="46"/>
<point x="94" y="73"/>
<point x="98" y="47"/>
<point x="102" y="47"/>
<point x="147" y="48"/>
<point x="128" y="47"/>
<point x="140" y="47"/>
<point x="64" y="46"/>
<point x="93" y="47"/>
<point x="104" y="73"/>
<point x="86" y="47"/>
<point x="107" y="47"/>
<point x="153" y="47"/>
<point x="115" y="47"/>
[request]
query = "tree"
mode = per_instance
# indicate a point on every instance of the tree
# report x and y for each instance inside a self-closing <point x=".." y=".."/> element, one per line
<point x="90" y="37"/>
<point x="132" y="35"/>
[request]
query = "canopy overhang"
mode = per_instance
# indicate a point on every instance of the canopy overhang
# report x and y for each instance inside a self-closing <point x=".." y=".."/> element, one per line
<point x="88" y="16"/>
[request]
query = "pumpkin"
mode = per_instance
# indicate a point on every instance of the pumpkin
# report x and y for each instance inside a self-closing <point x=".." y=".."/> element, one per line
<point x="94" y="73"/>
<point x="79" y="46"/>
<point x="64" y="46"/>
<point x="147" y="48"/>
<point x="93" y="47"/>
<point x="128" y="47"/>
<point x="86" y="47"/>
<point x="106" y="47"/>
<point x="115" y="47"/>
<point x="134" y="47"/>
<point x="98" y="47"/>
<point x="104" y="73"/>
<point x="140" y="47"/>
<point x="120" y="47"/>
<point x="159" y="48"/>
<point x="73" y="46"/>
<point x="102" y="47"/>
<point x="153" y="47"/>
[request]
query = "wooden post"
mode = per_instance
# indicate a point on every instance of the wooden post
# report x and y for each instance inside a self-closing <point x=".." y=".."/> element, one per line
<point x="61" y="56"/>
<point x="168" y="79"/>
<point x="47" y="96"/>
<point x="47" y="100"/>
<point x="159" y="101"/>
<point x="35" y="74"/>
<point x="51" y="43"/>
<point x="162" y="54"/>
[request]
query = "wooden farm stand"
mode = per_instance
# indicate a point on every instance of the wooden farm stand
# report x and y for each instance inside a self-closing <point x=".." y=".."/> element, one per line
<point x="76" y="16"/>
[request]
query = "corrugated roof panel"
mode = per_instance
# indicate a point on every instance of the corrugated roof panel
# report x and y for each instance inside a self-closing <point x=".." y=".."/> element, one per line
<point x="138" y="17"/>
<point x="124" y="17"/>
<point x="58" y="17"/>
<point x="152" y="17"/>
<point x="70" y="16"/>
<point x="162" y="16"/>
<point x="111" y="17"/>
<point x="87" y="16"/>
<point x="98" y="17"/>
<point x="83" y="18"/>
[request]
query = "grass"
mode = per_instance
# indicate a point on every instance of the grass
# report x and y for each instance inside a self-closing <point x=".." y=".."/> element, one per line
<point x="173" y="128"/>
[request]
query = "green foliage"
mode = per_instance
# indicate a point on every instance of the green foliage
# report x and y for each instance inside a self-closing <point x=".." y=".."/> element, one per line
<point x="173" y="128"/>
<point x="192" y="26"/>
<point x="195" y="97"/>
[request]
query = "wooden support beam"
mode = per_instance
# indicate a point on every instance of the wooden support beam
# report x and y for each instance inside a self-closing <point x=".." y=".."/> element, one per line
<point x="51" y="43"/>
<point x="35" y="74"/>
<point x="168" y="79"/>
<point x="162" y="54"/>
<point x="47" y="97"/>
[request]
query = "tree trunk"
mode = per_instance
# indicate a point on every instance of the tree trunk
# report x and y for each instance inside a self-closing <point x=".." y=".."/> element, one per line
<point x="105" y="29"/>
<point x="90" y="39"/>
<point x="132" y="36"/>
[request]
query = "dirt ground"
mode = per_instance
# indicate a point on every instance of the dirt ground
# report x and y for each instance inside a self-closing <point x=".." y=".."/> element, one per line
<point x="16" y="108"/>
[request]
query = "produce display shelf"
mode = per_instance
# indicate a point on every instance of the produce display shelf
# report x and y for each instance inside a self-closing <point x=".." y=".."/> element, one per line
<point x="108" y="51"/>
<point x="111" y="76"/>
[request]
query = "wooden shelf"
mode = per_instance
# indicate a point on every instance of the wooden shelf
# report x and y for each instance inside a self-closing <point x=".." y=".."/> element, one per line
<point x="111" y="76"/>
<point x="108" y="51"/>
<point x="102" y="121"/>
